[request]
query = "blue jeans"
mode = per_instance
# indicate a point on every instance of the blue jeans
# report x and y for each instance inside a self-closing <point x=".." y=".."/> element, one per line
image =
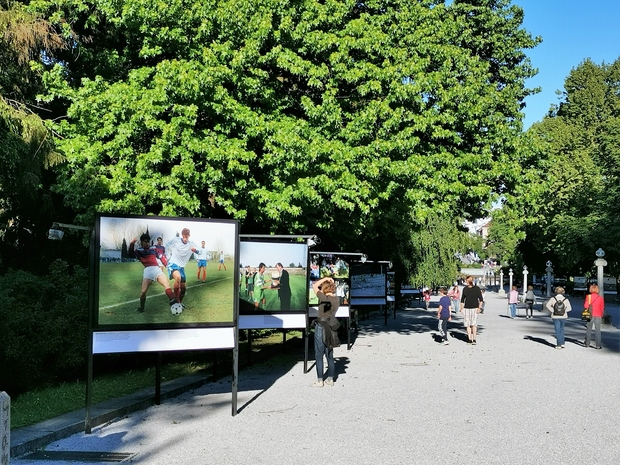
<point x="558" y="324"/>
<point x="319" y="351"/>
<point x="513" y="310"/>
<point x="456" y="305"/>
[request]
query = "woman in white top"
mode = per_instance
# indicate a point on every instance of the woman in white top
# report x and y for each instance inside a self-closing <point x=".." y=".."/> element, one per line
<point x="559" y="306"/>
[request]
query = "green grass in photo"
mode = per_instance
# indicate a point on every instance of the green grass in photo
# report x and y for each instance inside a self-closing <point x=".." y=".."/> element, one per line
<point x="119" y="293"/>
<point x="299" y="290"/>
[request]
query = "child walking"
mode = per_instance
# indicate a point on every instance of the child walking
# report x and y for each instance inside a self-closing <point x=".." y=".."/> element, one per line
<point x="443" y="314"/>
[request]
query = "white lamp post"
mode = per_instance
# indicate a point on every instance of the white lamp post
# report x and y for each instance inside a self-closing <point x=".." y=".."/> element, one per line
<point x="501" y="292"/>
<point x="525" y="272"/>
<point x="549" y="271"/>
<point x="510" y="273"/>
<point x="600" y="262"/>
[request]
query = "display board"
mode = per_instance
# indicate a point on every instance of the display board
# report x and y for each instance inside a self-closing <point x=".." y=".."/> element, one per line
<point x="273" y="279"/>
<point x="156" y="275"/>
<point x="391" y="286"/>
<point x="336" y="266"/>
<point x="368" y="283"/>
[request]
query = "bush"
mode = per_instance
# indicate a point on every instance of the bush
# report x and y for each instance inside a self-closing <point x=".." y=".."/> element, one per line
<point x="44" y="321"/>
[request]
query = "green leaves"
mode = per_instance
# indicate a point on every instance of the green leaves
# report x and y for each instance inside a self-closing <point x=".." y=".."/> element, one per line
<point x="580" y="200"/>
<point x="332" y="115"/>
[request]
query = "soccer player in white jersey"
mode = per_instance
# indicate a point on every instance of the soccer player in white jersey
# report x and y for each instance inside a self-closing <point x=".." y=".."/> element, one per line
<point x="180" y="250"/>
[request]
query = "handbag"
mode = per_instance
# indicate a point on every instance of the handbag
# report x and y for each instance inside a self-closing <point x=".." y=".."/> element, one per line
<point x="586" y="315"/>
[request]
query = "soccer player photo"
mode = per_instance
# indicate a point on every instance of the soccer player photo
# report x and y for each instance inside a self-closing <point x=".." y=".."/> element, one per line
<point x="276" y="277"/>
<point x="146" y="267"/>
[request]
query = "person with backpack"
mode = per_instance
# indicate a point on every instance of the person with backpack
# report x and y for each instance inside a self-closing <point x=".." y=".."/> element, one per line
<point x="529" y="302"/>
<point x="559" y="306"/>
<point x="596" y="304"/>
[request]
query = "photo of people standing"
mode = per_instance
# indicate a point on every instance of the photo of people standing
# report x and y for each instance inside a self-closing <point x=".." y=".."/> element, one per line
<point x="275" y="275"/>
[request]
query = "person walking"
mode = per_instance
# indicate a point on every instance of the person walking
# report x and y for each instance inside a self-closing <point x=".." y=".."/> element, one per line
<point x="427" y="298"/>
<point x="559" y="306"/>
<point x="513" y="300"/>
<point x="443" y="314"/>
<point x="597" y="302"/>
<point x="529" y="302"/>
<point x="471" y="303"/>
<point x="325" y="330"/>
<point x="455" y="297"/>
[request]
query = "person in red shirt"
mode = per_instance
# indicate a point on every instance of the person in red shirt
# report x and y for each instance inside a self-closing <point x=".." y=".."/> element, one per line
<point x="150" y="257"/>
<point x="598" y="307"/>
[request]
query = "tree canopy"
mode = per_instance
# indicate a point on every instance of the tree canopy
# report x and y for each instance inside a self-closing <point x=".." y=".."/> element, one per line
<point x="326" y="115"/>
<point x="26" y="144"/>
<point x="580" y="206"/>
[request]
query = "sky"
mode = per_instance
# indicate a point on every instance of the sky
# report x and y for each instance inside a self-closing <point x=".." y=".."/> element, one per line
<point x="572" y="30"/>
<point x="216" y="234"/>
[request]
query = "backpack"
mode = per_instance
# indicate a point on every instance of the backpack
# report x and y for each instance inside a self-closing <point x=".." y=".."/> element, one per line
<point x="559" y="307"/>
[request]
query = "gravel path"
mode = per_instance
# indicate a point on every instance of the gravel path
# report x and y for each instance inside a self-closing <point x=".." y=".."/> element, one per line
<point x="400" y="397"/>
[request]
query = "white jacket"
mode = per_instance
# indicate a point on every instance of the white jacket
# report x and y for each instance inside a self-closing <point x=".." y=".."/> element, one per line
<point x="551" y="302"/>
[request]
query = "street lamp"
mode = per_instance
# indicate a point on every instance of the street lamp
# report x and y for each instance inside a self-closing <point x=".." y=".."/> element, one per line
<point x="549" y="271"/>
<point x="510" y="273"/>
<point x="525" y="272"/>
<point x="600" y="262"/>
<point x="501" y="292"/>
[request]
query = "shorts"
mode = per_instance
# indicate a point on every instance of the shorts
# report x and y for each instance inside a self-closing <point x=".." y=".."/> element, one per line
<point x="471" y="316"/>
<point x="172" y="267"/>
<point x="152" y="273"/>
<point x="202" y="263"/>
<point x="258" y="296"/>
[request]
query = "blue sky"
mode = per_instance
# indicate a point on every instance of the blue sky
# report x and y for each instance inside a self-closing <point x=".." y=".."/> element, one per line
<point x="572" y="30"/>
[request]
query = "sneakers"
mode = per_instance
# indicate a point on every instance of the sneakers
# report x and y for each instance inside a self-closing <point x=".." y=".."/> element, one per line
<point x="318" y="383"/>
<point x="139" y="310"/>
<point x="445" y="343"/>
<point x="329" y="382"/>
<point x="473" y="342"/>
<point x="558" y="347"/>
<point x="598" y="347"/>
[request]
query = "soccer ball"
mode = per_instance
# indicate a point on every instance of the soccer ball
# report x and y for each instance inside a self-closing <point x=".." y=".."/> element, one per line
<point x="176" y="309"/>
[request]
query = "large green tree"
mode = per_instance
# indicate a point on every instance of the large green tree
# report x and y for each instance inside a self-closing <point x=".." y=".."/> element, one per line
<point x="26" y="144"/>
<point x="581" y="136"/>
<point x="353" y="119"/>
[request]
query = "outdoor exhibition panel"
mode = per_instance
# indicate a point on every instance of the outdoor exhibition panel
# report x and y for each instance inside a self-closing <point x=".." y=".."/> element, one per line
<point x="273" y="284"/>
<point x="155" y="287"/>
<point x="369" y="284"/>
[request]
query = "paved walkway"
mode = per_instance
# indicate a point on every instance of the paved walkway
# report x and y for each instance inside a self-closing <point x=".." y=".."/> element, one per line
<point x="401" y="397"/>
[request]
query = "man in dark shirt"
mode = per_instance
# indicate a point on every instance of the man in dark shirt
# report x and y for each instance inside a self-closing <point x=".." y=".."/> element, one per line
<point x="284" y="288"/>
<point x="471" y="304"/>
